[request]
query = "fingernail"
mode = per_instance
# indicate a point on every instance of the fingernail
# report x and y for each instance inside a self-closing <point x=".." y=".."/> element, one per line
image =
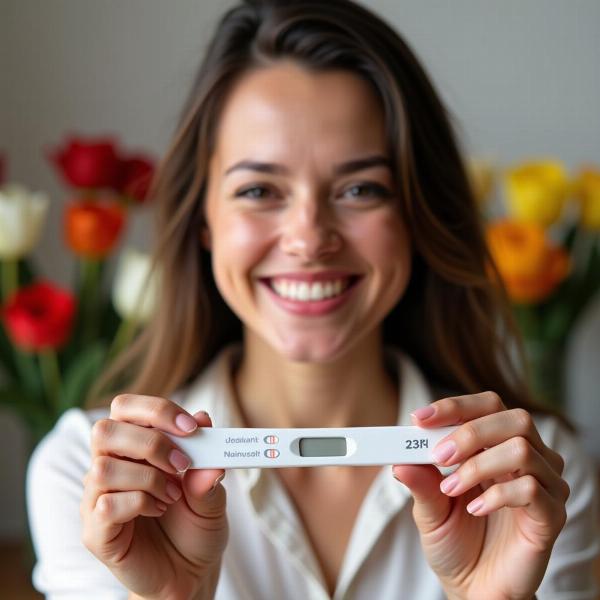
<point x="423" y="413"/>
<point x="203" y="412"/>
<point x="475" y="505"/>
<point x="173" y="491"/>
<point x="185" y="423"/>
<point x="217" y="481"/>
<point x="444" y="451"/>
<point x="179" y="460"/>
<point x="448" y="484"/>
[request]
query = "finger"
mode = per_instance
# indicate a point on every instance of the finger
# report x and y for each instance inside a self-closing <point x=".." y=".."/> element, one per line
<point x="109" y="474"/>
<point x="458" y="409"/>
<point x="202" y="490"/>
<point x="125" y="440"/>
<point x="112" y="511"/>
<point x="431" y="506"/>
<point x="516" y="457"/>
<point x="524" y="492"/>
<point x="153" y="411"/>
<point x="491" y="430"/>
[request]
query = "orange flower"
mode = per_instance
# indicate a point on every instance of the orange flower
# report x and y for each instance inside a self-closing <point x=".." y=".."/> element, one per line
<point x="531" y="267"/>
<point x="93" y="227"/>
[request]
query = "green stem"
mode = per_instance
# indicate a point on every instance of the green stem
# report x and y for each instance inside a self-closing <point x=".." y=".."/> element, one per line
<point x="122" y="337"/>
<point x="10" y="277"/>
<point x="51" y="375"/>
<point x="90" y="291"/>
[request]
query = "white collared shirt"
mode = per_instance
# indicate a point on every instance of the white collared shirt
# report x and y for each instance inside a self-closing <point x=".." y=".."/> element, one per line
<point x="268" y="556"/>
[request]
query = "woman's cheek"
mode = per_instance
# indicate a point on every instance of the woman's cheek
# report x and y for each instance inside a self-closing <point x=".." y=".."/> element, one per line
<point x="381" y="237"/>
<point x="251" y="234"/>
<point x="241" y="243"/>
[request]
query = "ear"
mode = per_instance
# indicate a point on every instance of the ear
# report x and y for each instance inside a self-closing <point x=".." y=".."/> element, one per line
<point x="205" y="238"/>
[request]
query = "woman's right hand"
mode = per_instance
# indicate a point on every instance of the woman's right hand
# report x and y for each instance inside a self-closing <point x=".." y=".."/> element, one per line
<point x="159" y="528"/>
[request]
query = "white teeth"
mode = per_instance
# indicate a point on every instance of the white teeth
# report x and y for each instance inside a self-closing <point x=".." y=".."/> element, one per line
<point x="316" y="291"/>
<point x="305" y="292"/>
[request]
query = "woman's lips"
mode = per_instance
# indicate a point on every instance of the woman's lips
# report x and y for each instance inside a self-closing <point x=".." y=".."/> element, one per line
<point x="313" y="307"/>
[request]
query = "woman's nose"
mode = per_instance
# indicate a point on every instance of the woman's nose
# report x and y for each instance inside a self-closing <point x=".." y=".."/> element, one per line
<point x="309" y="234"/>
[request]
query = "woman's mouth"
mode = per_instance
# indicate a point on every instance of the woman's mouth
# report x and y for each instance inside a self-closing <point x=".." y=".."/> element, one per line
<point x="307" y="292"/>
<point x="311" y="297"/>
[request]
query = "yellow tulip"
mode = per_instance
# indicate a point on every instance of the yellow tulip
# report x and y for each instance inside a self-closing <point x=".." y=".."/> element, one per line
<point x="530" y="266"/>
<point x="587" y="191"/>
<point x="481" y="175"/>
<point x="536" y="191"/>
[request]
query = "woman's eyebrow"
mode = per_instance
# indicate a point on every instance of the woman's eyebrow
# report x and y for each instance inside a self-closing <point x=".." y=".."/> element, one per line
<point x="341" y="169"/>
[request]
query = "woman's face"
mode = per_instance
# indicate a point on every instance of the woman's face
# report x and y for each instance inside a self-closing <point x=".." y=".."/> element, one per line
<point x="308" y="246"/>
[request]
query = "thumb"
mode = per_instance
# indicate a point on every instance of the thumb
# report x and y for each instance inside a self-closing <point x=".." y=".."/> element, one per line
<point x="201" y="489"/>
<point x="431" y="506"/>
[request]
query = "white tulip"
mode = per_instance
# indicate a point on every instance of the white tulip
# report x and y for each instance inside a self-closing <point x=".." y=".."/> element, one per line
<point x="22" y="216"/>
<point x="134" y="292"/>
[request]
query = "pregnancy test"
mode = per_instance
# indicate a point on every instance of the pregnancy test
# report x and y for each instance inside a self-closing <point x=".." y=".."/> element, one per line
<point x="236" y="448"/>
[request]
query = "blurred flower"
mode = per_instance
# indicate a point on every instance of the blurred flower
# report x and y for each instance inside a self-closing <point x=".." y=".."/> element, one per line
<point x="536" y="191"/>
<point x="530" y="266"/>
<point x="39" y="317"/>
<point x="135" y="177"/>
<point x="134" y="291"/>
<point x="22" y="216"/>
<point x="93" y="227"/>
<point x="481" y="175"/>
<point x="587" y="191"/>
<point x="90" y="163"/>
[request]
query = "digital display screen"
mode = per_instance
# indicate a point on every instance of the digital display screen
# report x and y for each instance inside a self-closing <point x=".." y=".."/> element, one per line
<point x="323" y="446"/>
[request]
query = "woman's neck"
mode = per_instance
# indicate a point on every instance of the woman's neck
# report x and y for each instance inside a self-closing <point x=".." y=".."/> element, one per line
<point x="355" y="390"/>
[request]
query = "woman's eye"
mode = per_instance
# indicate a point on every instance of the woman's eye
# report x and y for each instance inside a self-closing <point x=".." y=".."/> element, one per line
<point x="368" y="190"/>
<point x="256" y="191"/>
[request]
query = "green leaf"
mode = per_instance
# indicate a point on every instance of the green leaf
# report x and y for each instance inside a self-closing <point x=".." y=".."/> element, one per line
<point x="27" y="272"/>
<point x="29" y="373"/>
<point x="7" y="357"/>
<point x="80" y="375"/>
<point x="570" y="235"/>
<point x="10" y="396"/>
<point x="32" y="411"/>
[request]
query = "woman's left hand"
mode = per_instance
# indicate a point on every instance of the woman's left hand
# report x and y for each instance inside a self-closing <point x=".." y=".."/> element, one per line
<point x="488" y="529"/>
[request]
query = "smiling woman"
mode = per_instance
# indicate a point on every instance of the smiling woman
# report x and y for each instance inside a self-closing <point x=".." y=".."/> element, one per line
<point x="323" y="265"/>
<point x="269" y="250"/>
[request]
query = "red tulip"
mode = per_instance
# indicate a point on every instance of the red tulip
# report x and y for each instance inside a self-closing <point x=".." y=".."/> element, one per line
<point x="92" y="227"/>
<point x="39" y="317"/>
<point x="88" y="164"/>
<point x="136" y="175"/>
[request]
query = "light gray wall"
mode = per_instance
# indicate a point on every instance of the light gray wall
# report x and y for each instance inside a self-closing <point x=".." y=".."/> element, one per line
<point x="521" y="78"/>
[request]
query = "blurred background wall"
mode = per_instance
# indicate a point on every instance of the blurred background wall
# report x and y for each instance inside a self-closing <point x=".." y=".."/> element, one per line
<point x="521" y="79"/>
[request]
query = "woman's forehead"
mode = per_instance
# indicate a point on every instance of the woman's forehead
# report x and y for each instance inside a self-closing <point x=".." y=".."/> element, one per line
<point x="286" y="110"/>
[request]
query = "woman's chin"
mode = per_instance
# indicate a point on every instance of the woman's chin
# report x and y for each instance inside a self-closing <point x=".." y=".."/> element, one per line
<point x="310" y="350"/>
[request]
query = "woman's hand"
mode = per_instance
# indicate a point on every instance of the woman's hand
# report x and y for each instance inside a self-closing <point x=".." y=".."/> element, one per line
<point x="159" y="528"/>
<point x="487" y="529"/>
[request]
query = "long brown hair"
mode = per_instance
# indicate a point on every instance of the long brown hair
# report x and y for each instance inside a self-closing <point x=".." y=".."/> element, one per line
<point x="454" y="319"/>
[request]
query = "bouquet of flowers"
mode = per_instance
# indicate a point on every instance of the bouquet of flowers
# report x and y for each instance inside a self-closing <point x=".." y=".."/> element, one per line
<point x="547" y="248"/>
<point x="54" y="342"/>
